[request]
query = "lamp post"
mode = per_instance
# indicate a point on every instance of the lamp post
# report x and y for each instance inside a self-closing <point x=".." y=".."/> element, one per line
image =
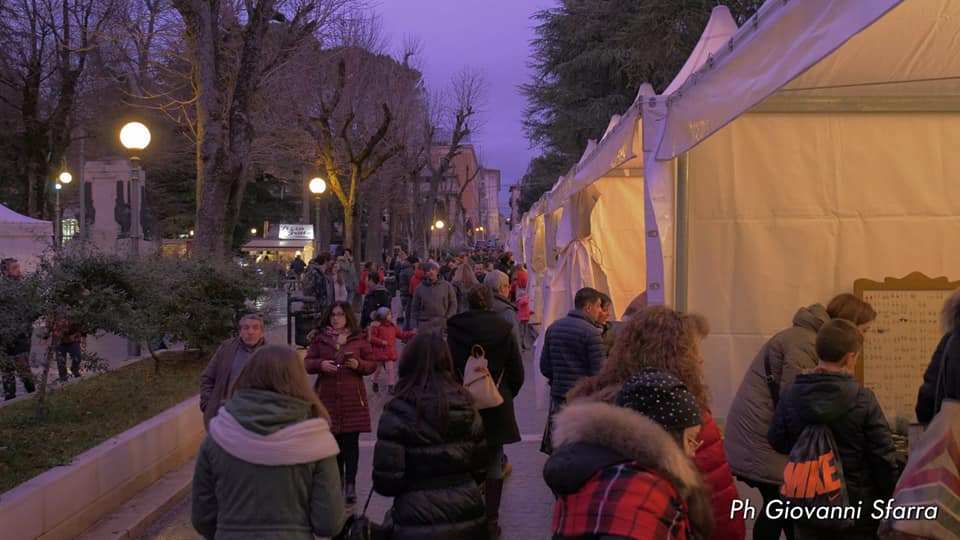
<point x="438" y="225"/>
<point x="317" y="186"/>
<point x="135" y="137"/>
<point x="63" y="179"/>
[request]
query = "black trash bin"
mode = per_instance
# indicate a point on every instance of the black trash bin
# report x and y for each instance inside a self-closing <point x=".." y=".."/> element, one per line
<point x="303" y="323"/>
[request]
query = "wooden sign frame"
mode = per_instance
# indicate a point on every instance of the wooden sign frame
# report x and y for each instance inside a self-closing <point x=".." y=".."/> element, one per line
<point x="915" y="281"/>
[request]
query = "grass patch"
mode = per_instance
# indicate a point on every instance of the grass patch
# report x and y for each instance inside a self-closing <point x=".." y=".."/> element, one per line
<point x="83" y="415"/>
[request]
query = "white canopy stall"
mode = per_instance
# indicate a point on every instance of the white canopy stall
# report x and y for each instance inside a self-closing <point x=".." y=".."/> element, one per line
<point x="23" y="238"/>
<point x="810" y="149"/>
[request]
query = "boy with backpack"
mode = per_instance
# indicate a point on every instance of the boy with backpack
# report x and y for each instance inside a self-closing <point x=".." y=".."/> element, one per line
<point x="841" y="452"/>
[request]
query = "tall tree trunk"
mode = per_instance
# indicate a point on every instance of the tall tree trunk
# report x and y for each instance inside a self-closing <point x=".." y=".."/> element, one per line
<point x="325" y="224"/>
<point x="374" y="251"/>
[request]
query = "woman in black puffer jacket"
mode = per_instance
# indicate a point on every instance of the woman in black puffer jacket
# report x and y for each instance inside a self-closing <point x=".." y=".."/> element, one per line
<point x="430" y="453"/>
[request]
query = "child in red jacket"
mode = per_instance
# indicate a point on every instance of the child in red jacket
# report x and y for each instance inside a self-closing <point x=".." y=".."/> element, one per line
<point x="383" y="337"/>
<point x="523" y="315"/>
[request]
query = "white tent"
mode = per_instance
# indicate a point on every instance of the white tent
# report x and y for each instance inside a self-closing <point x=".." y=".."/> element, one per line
<point x="23" y="238"/>
<point x="810" y="149"/>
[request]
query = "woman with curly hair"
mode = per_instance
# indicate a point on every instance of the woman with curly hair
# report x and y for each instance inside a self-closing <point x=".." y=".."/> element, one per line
<point x="658" y="337"/>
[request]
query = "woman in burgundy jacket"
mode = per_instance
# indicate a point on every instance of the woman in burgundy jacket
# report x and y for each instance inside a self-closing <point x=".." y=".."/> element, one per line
<point x="341" y="356"/>
<point x="661" y="338"/>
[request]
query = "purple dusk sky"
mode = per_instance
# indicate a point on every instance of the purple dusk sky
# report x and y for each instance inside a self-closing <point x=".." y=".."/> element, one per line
<point x="492" y="36"/>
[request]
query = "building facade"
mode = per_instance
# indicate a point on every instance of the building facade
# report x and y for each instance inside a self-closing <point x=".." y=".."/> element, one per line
<point x="489" y="211"/>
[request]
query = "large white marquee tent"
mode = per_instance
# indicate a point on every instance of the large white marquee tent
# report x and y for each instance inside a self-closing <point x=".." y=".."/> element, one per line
<point x="23" y="238"/>
<point x="790" y="156"/>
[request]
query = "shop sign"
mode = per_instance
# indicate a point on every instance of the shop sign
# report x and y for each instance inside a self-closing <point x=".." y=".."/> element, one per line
<point x="296" y="231"/>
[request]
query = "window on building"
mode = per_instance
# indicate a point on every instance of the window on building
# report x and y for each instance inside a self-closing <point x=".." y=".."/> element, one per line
<point x="69" y="228"/>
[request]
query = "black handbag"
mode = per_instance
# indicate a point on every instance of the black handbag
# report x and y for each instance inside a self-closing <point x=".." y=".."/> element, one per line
<point x="362" y="528"/>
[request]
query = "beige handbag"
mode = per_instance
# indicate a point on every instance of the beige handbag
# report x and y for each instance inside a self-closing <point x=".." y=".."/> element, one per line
<point x="480" y="384"/>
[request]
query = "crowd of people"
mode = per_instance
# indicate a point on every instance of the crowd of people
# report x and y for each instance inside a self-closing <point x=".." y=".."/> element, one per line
<point x="634" y="450"/>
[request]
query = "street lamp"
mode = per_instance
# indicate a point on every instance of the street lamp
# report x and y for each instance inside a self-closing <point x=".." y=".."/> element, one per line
<point x="253" y="231"/>
<point x="63" y="179"/>
<point x="317" y="186"/>
<point x="135" y="137"/>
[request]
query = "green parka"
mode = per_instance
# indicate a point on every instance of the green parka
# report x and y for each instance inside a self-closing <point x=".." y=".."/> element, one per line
<point x="267" y="470"/>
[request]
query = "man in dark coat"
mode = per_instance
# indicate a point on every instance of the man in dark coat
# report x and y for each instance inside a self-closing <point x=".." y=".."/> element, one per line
<point x="572" y="348"/>
<point x="377" y="296"/>
<point x="831" y="396"/>
<point x="226" y="364"/>
<point x="481" y="326"/>
<point x="407" y="269"/>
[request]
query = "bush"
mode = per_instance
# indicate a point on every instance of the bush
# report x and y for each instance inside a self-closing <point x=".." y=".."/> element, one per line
<point x="146" y="300"/>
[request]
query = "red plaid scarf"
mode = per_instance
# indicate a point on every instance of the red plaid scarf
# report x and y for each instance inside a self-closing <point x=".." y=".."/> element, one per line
<point x="623" y="500"/>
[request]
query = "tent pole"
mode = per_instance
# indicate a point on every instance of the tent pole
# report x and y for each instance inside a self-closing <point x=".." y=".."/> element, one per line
<point x="681" y="256"/>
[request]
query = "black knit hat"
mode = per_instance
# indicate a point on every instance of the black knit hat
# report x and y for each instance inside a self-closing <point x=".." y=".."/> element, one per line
<point x="661" y="397"/>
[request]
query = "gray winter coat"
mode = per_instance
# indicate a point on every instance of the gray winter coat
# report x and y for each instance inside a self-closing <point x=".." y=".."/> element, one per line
<point x="433" y="304"/>
<point x="507" y="310"/>
<point x="791" y="351"/>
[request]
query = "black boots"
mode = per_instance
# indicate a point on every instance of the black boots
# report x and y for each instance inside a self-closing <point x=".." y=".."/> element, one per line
<point x="351" y="493"/>
<point x="493" y="489"/>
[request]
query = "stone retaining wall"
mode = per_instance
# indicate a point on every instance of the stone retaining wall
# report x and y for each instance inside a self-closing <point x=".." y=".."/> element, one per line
<point x="64" y="501"/>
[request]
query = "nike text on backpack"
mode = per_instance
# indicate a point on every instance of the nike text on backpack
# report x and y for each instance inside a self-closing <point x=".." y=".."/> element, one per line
<point x="813" y="480"/>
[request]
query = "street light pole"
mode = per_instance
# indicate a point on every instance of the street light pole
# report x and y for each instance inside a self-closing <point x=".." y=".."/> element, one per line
<point x="317" y="186"/>
<point x="57" y="226"/>
<point x="135" y="137"/>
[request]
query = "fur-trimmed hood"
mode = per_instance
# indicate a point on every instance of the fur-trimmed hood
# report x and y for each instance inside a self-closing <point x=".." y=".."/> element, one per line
<point x="590" y="435"/>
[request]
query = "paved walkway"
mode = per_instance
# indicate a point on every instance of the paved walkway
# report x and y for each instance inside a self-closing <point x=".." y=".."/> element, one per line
<point x="527" y="505"/>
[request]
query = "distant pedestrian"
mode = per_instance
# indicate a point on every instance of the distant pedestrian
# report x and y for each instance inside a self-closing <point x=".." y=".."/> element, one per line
<point x="268" y="468"/>
<point x="341" y="356"/>
<point x="499" y="283"/>
<point x="225" y="366"/>
<point x="464" y="279"/>
<point x="408" y="268"/>
<point x="383" y="338"/>
<point x="376" y="296"/>
<point x="434" y="301"/>
<point x="523" y="315"/>
<point x="430" y="453"/>
<point x="15" y="359"/>
<point x="297" y="266"/>
<point x="572" y="350"/>
<point x="606" y="326"/>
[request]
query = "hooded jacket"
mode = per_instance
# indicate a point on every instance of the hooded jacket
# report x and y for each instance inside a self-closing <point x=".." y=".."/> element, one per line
<point x="432" y="466"/>
<point x="618" y="474"/>
<point x="858" y="424"/>
<point x="267" y="470"/>
<point x="790" y="352"/>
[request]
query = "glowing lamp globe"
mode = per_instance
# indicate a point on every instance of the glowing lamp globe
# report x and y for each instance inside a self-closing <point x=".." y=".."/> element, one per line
<point x="317" y="186"/>
<point x="438" y="224"/>
<point x="65" y="177"/>
<point x="134" y="136"/>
